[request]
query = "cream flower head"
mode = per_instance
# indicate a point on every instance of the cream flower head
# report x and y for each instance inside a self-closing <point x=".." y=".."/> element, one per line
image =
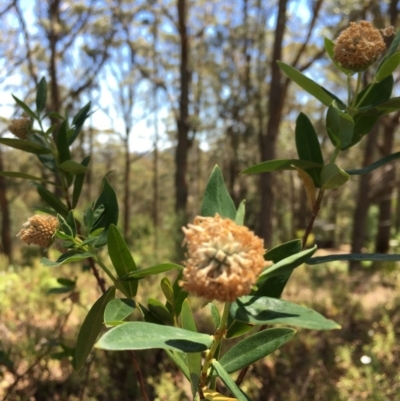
<point x="39" y="230"/>
<point x="20" y="127"/>
<point x="358" y="46"/>
<point x="224" y="259"/>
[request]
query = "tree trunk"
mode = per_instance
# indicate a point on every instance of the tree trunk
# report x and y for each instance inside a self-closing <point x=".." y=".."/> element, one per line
<point x="183" y="145"/>
<point x="389" y="178"/>
<point x="5" y="216"/>
<point x="363" y="200"/>
<point x="268" y="139"/>
<point x="127" y="180"/>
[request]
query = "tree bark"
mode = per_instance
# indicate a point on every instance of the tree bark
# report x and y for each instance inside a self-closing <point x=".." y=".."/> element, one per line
<point x="5" y="216"/>
<point x="183" y="145"/>
<point x="268" y="139"/>
<point x="389" y="177"/>
<point x="363" y="200"/>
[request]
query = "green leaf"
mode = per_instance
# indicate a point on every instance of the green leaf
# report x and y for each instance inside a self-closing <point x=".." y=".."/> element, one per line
<point x="216" y="197"/>
<point x="121" y="259"/>
<point x="24" y="145"/>
<point x="394" y="45"/>
<point x="283" y="251"/>
<point x="307" y="84"/>
<point x="237" y="329"/>
<point x="151" y="271"/>
<point x="265" y="310"/>
<point x="64" y="227"/>
<point x="194" y="359"/>
<point x="25" y="107"/>
<point x="62" y="142"/>
<point x="160" y="311"/>
<point x="179" y="294"/>
<point x="66" y="282"/>
<point x="286" y="265"/>
<point x="78" y="183"/>
<point x="167" y="290"/>
<point x="388" y="67"/>
<point x="239" y="219"/>
<point x="71" y="222"/>
<point x="274" y="286"/>
<point x="72" y="167"/>
<point x="329" y="45"/>
<point x="215" y="315"/>
<point x="340" y="127"/>
<point x="284" y="164"/>
<point x="52" y="200"/>
<point x="91" y="328"/>
<point x="58" y="290"/>
<point x="78" y="121"/>
<point x="375" y="165"/>
<point x="118" y="309"/>
<point x="68" y="257"/>
<point x="108" y="200"/>
<point x="386" y="107"/>
<point x="180" y="360"/>
<point x="16" y="174"/>
<point x="370" y="257"/>
<point x="255" y="347"/>
<point x="142" y="335"/>
<point x="308" y="147"/>
<point x="228" y="381"/>
<point x="332" y="176"/>
<point x="41" y="95"/>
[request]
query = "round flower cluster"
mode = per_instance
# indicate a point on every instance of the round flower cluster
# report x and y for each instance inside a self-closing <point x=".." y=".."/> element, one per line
<point x="358" y="46"/>
<point x="20" y="127"/>
<point x="224" y="259"/>
<point x="39" y="230"/>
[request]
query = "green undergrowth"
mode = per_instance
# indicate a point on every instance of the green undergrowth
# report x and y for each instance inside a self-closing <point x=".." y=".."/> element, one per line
<point x="359" y="362"/>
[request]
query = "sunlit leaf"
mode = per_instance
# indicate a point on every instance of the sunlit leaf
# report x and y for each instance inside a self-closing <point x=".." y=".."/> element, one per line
<point x="24" y="145"/>
<point x="142" y="335"/>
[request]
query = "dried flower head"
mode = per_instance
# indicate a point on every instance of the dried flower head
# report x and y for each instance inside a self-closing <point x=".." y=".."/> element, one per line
<point x="358" y="46"/>
<point x="39" y="230"/>
<point x="20" y="127"/>
<point x="224" y="259"/>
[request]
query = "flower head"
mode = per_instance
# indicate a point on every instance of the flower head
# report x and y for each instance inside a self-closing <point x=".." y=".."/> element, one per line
<point x="39" y="230"/>
<point x="358" y="46"/>
<point x="224" y="259"/>
<point x="20" y="127"/>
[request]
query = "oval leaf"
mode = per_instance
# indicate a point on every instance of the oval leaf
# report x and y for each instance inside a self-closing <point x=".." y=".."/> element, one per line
<point x="118" y="309"/>
<point x="255" y="347"/>
<point x="151" y="271"/>
<point x="142" y="335"/>
<point x="74" y="168"/>
<point x="333" y="176"/>
<point x="24" y="145"/>
<point x="284" y="164"/>
<point x="387" y="67"/>
<point x="91" y="328"/>
<point x="229" y="383"/>
<point x="286" y="265"/>
<point x="68" y="257"/>
<point x="121" y="259"/>
<point x="265" y="310"/>
<point x="41" y="95"/>
<point x="370" y="257"/>
<point x="216" y="197"/>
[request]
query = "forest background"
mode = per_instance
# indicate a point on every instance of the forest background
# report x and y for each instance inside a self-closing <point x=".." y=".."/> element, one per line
<point x="177" y="87"/>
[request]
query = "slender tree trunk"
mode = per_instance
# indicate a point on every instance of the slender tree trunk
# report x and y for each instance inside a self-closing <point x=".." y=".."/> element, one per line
<point x="183" y="145"/>
<point x="363" y="200"/>
<point x="5" y="215"/>
<point x="389" y="178"/>
<point x="268" y="139"/>
<point x="127" y="181"/>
